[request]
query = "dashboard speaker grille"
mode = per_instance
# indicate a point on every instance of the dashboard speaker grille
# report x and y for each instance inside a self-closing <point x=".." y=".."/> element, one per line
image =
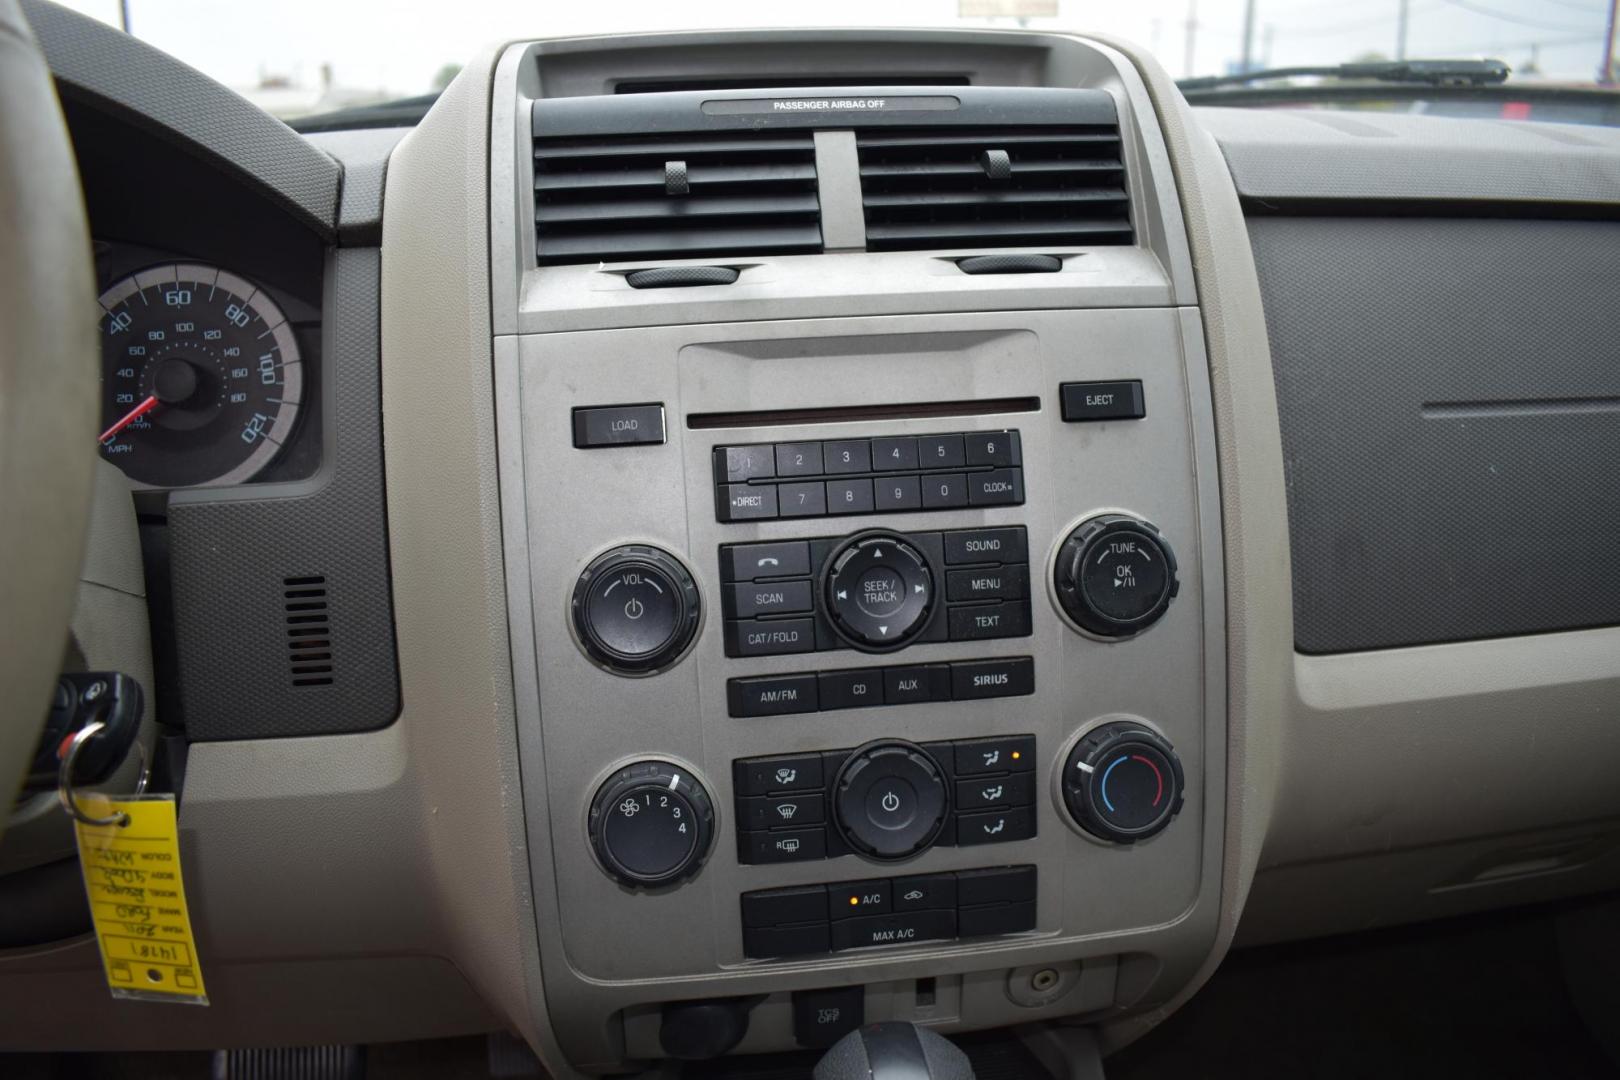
<point x="680" y="195"/>
<point x="980" y="187"/>
<point x="309" y="630"/>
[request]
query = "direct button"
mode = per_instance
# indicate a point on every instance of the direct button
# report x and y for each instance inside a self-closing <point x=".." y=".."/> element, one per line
<point x="745" y="502"/>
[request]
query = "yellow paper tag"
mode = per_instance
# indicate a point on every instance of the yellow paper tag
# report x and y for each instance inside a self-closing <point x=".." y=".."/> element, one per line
<point x="138" y="900"/>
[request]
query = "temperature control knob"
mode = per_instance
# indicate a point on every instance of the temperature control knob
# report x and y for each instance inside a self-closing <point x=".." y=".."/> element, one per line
<point x="651" y="824"/>
<point x="1115" y="576"/>
<point x="635" y="610"/>
<point x="1123" y="782"/>
<point x="879" y="591"/>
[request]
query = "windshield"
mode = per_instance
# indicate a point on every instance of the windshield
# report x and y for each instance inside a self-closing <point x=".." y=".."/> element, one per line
<point x="297" y="58"/>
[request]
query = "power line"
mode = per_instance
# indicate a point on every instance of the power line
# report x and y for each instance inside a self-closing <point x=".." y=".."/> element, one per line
<point x="1515" y="19"/>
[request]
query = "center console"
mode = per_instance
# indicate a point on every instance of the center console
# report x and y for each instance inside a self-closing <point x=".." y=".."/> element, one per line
<point x="863" y="553"/>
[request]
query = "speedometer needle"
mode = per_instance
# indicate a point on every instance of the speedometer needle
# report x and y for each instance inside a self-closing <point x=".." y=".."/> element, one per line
<point x="129" y="418"/>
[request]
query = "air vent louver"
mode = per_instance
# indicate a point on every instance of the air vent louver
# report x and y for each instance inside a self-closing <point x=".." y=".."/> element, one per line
<point x="309" y="630"/>
<point x="980" y="187"/>
<point x="677" y="196"/>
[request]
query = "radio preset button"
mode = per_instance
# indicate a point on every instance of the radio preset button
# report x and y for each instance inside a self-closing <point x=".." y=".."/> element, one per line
<point x="892" y="493"/>
<point x="734" y="464"/>
<point x="940" y="452"/>
<point x="944" y="491"/>
<point x="847" y="456"/>
<point x="798" y="459"/>
<point x="897" y="454"/>
<point x="802" y="500"/>
<point x="993" y="448"/>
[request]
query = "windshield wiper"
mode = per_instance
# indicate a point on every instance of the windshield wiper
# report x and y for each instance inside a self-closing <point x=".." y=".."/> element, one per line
<point x="1428" y="72"/>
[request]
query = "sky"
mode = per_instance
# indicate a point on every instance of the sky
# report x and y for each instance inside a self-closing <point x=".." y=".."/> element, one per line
<point x="398" y="46"/>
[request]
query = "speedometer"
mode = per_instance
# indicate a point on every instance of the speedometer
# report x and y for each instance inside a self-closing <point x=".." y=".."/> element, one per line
<point x="201" y="377"/>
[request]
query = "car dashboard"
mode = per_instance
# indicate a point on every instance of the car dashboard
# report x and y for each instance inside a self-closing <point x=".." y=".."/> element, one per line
<point x="768" y="530"/>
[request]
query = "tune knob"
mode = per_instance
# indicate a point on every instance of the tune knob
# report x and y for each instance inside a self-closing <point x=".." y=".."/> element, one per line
<point x="1123" y="782"/>
<point x="879" y="591"/>
<point x="1115" y="576"/>
<point x="890" y="800"/>
<point x="635" y="610"/>
<point x="651" y="824"/>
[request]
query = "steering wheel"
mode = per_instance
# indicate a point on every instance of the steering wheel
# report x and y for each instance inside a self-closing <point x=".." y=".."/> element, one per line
<point x="48" y="392"/>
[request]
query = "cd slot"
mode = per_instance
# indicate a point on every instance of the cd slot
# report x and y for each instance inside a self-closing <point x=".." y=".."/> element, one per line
<point x="921" y="410"/>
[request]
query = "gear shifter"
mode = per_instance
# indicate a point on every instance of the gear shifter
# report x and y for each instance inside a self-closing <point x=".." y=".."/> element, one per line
<point x="893" y="1051"/>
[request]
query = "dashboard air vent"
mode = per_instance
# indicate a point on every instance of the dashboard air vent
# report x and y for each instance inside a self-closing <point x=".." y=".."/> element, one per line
<point x="309" y="630"/>
<point x="1015" y="186"/>
<point x="677" y="196"/>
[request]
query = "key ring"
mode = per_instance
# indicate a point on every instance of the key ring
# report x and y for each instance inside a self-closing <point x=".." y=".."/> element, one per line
<point x="64" y="777"/>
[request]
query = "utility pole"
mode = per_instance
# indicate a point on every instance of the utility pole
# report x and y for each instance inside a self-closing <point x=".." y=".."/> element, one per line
<point x="1248" y="38"/>
<point x="1606" y="74"/>
<point x="1400" y="29"/>
<point x="123" y="14"/>
<point x="1192" y="39"/>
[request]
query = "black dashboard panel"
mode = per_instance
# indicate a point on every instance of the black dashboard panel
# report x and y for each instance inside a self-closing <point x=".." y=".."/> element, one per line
<point x="271" y="606"/>
<point x="1450" y="412"/>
